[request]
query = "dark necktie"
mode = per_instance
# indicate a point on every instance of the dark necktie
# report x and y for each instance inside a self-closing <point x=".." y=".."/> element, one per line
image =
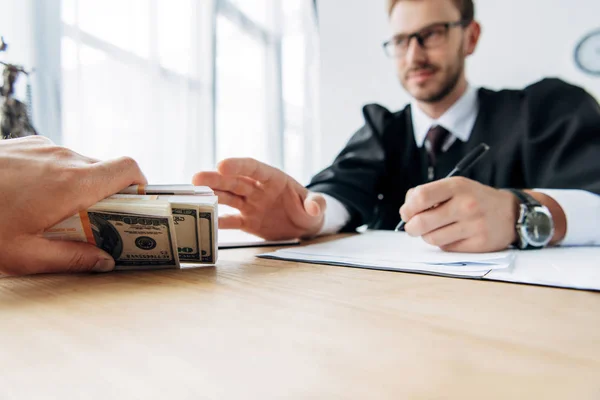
<point x="434" y="141"/>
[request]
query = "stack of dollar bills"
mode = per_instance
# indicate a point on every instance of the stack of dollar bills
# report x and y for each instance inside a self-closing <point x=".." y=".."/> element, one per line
<point x="149" y="227"/>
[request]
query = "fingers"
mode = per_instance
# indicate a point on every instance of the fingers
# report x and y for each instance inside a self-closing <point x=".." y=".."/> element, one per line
<point x="237" y="185"/>
<point x="77" y="187"/>
<point x="432" y="219"/>
<point x="108" y="177"/>
<point x="97" y="181"/>
<point x="314" y="204"/>
<point x="123" y="172"/>
<point x="424" y="197"/>
<point x="231" y="200"/>
<point x="471" y="245"/>
<point x="409" y="193"/>
<point x="449" y="234"/>
<point x="249" y="167"/>
<point x="52" y="256"/>
<point x="231" y="222"/>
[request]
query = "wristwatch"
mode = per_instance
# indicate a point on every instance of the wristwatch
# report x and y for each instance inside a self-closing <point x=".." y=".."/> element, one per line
<point x="535" y="227"/>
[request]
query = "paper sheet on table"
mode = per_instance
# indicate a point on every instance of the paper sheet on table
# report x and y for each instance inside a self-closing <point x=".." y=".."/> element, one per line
<point x="231" y="238"/>
<point x="567" y="267"/>
<point x="396" y="251"/>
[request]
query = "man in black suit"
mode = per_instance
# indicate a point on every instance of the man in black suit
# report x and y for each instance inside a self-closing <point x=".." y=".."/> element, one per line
<point x="546" y="136"/>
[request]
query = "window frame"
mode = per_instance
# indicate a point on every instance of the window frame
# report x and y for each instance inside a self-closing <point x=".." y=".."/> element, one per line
<point x="272" y="41"/>
<point x="271" y="37"/>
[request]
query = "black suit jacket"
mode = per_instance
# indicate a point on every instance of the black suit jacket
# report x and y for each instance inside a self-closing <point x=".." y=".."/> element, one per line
<point x="544" y="136"/>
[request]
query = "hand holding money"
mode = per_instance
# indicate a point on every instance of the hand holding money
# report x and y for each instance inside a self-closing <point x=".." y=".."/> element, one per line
<point x="43" y="184"/>
<point x="149" y="227"/>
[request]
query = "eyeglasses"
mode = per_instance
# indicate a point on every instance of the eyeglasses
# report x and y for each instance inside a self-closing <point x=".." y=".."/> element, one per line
<point x="429" y="37"/>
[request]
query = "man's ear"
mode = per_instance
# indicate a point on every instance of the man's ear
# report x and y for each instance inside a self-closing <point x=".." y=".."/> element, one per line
<point x="473" y="32"/>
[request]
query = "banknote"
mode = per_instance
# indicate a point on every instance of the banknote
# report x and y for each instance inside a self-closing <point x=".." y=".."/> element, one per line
<point x="137" y="236"/>
<point x="208" y="234"/>
<point x="196" y="224"/>
<point x="188" y="233"/>
<point x="136" y="241"/>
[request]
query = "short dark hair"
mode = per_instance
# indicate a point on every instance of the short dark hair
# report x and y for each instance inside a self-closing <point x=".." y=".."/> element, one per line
<point x="466" y="8"/>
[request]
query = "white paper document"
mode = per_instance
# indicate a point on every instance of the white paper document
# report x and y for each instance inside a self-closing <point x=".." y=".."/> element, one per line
<point x="566" y="267"/>
<point x="396" y="251"/>
<point x="232" y="238"/>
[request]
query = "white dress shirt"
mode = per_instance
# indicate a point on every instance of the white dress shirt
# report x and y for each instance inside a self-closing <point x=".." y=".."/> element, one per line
<point x="581" y="208"/>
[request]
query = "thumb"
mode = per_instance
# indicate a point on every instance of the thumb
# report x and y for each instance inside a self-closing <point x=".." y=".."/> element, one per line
<point x="315" y="204"/>
<point x="46" y="256"/>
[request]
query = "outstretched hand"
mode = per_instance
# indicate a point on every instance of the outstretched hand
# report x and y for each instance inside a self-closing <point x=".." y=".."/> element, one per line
<point x="272" y="204"/>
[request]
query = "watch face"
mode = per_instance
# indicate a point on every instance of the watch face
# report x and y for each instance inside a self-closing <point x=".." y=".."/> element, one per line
<point x="539" y="227"/>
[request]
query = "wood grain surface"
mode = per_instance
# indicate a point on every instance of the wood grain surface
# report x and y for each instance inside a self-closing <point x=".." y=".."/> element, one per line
<point x="265" y="329"/>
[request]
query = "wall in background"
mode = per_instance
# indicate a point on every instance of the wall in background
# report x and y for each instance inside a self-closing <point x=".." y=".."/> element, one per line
<point x="522" y="41"/>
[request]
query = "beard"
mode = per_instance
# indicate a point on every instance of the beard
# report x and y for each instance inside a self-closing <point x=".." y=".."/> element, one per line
<point x="450" y="80"/>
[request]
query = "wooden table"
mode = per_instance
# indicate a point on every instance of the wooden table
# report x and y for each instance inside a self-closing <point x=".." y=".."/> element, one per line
<point x="264" y="329"/>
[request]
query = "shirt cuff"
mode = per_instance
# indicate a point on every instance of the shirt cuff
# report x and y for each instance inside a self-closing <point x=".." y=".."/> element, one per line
<point x="336" y="216"/>
<point x="582" y="210"/>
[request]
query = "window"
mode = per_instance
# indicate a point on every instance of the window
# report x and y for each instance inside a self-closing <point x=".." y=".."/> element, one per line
<point x="181" y="84"/>
<point x="242" y="93"/>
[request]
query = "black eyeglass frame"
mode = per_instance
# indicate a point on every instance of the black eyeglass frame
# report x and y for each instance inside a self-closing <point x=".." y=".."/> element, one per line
<point x="419" y="34"/>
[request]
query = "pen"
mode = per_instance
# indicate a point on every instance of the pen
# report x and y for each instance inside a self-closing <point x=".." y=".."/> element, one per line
<point x="467" y="162"/>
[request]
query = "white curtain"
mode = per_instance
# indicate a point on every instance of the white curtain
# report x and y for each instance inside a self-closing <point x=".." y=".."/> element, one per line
<point x="141" y="77"/>
<point x="137" y="81"/>
<point x="175" y="84"/>
<point x="301" y="89"/>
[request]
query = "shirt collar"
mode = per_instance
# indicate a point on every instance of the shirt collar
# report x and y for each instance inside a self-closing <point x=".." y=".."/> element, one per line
<point x="458" y="119"/>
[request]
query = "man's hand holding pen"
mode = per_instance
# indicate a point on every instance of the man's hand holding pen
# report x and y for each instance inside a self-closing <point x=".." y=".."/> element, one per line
<point x="461" y="215"/>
